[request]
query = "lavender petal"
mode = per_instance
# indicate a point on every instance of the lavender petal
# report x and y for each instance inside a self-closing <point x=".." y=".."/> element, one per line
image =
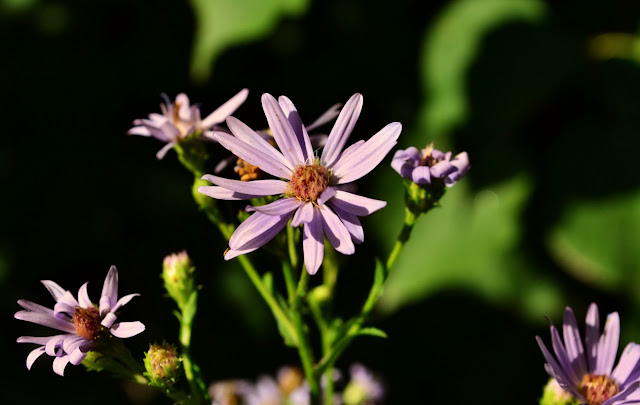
<point x="59" y="364"/>
<point x="352" y="223"/>
<point x="559" y="373"/>
<point x="54" y="289"/>
<point x="356" y="204"/>
<point x="256" y="140"/>
<point x="326" y="195"/>
<point x="562" y="356"/>
<point x="627" y="363"/>
<point x="573" y="342"/>
<point x="166" y="148"/>
<point x="255" y="187"/>
<point x="261" y="158"/>
<point x="303" y="215"/>
<point x="608" y="344"/>
<point x="327" y="116"/>
<point x="108" y="320"/>
<point x="124" y="301"/>
<point x="336" y="232"/>
<point x="139" y="130"/>
<point x="33" y="356"/>
<point x="592" y="336"/>
<point x="225" y="110"/>
<point x="419" y="174"/>
<point x="45" y="320"/>
<point x="126" y="329"/>
<point x="32" y="306"/>
<point x="83" y="297"/>
<point x="109" y="295"/>
<point x="220" y="193"/>
<point x="342" y="130"/>
<point x="368" y="156"/>
<point x="313" y="243"/>
<point x="282" y="132"/>
<point x="77" y="356"/>
<point x="279" y="207"/>
<point x="293" y="116"/>
<point x="257" y="230"/>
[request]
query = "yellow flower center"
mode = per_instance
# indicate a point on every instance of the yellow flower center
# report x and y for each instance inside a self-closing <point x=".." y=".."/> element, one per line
<point x="309" y="181"/>
<point x="246" y="170"/>
<point x="598" y="388"/>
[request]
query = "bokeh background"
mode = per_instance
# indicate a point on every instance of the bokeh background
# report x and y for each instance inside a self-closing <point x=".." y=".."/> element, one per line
<point x="544" y="96"/>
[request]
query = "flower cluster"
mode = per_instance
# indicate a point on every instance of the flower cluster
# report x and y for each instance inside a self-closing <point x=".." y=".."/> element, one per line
<point x="310" y="189"/>
<point x="82" y="322"/>
<point x="289" y="388"/>
<point x="180" y="120"/>
<point x="423" y="167"/>
<point x="587" y="370"/>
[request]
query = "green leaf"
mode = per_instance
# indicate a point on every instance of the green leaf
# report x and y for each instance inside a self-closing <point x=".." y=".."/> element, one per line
<point x="371" y="331"/>
<point x="452" y="44"/>
<point x="267" y="280"/>
<point x="224" y="23"/>
<point x="597" y="241"/>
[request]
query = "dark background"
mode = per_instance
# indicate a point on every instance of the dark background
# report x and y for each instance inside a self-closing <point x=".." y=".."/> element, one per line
<point x="552" y="107"/>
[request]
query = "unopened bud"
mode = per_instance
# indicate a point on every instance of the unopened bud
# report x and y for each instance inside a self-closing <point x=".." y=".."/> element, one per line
<point x="177" y="273"/>
<point x="162" y="364"/>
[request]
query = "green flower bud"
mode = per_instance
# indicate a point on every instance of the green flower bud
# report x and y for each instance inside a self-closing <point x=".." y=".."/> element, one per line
<point x="554" y="394"/>
<point x="177" y="273"/>
<point x="162" y="364"/>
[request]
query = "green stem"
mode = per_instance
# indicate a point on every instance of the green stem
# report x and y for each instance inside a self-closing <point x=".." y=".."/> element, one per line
<point x="403" y="237"/>
<point x="199" y="394"/>
<point x="287" y="268"/>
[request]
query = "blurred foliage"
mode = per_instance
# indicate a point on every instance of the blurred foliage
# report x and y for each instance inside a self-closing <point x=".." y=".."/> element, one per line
<point x="224" y="23"/>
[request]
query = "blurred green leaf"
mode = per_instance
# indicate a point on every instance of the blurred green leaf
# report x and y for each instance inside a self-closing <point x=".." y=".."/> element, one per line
<point x="450" y="46"/>
<point x="471" y="243"/>
<point x="223" y="23"/>
<point x="371" y="331"/>
<point x="597" y="241"/>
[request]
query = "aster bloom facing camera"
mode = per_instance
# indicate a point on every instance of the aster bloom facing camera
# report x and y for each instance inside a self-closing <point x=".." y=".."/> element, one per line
<point x="309" y="186"/>
<point x="180" y="119"/>
<point x="82" y="322"/>
<point x="586" y="371"/>
<point x="421" y="167"/>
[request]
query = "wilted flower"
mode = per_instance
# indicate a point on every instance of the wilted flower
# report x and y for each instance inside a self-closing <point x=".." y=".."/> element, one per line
<point x="421" y="167"/>
<point x="363" y="388"/>
<point x="82" y="322"/>
<point x="589" y="374"/>
<point x="180" y="119"/>
<point x="310" y="192"/>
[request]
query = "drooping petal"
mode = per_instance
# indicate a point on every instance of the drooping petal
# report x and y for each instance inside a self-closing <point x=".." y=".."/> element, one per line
<point x="83" y="297"/>
<point x="108" y="320"/>
<point x="461" y="162"/>
<point x="573" y="342"/>
<point x="257" y="230"/>
<point x="255" y="187"/>
<point x="77" y="356"/>
<point x="279" y="207"/>
<point x="264" y="160"/>
<point x="592" y="336"/>
<point x="419" y="174"/>
<point x="124" y="301"/>
<point x="255" y="140"/>
<point x="45" y="320"/>
<point x="166" y="148"/>
<point x="342" y="130"/>
<point x="282" y="132"/>
<point x="66" y="303"/>
<point x="33" y="356"/>
<point x="608" y="344"/>
<point x="327" y="116"/>
<point x="72" y="342"/>
<point x="442" y="169"/>
<point x="356" y="204"/>
<point x="225" y="110"/>
<point x="59" y="364"/>
<point x="303" y="215"/>
<point x="53" y="346"/>
<point x="54" y="289"/>
<point x="336" y="232"/>
<point x="368" y="156"/>
<point x="627" y="363"/>
<point x="298" y="127"/>
<point x="313" y="243"/>
<point x="352" y="223"/>
<point x="221" y="193"/>
<point x="126" y="329"/>
<point x="109" y="295"/>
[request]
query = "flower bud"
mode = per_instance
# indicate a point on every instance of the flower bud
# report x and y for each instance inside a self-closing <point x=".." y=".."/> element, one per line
<point x="162" y="364"/>
<point x="554" y="394"/>
<point x="177" y="273"/>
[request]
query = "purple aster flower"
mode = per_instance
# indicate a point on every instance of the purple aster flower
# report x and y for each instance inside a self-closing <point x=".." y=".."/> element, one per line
<point x="309" y="182"/>
<point x="422" y="166"/>
<point x="81" y="322"/>
<point x="587" y="371"/>
<point x="180" y="119"/>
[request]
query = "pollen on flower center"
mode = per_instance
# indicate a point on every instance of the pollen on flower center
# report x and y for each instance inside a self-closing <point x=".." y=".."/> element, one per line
<point x="427" y="158"/>
<point x="246" y="170"/>
<point x="87" y="322"/>
<point x="309" y="181"/>
<point x="598" y="388"/>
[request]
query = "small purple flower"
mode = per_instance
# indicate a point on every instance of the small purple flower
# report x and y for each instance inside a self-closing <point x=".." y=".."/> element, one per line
<point x="180" y="119"/>
<point x="363" y="388"/>
<point x="81" y="321"/>
<point x="422" y="166"/>
<point x="589" y="374"/>
<point x="309" y="186"/>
